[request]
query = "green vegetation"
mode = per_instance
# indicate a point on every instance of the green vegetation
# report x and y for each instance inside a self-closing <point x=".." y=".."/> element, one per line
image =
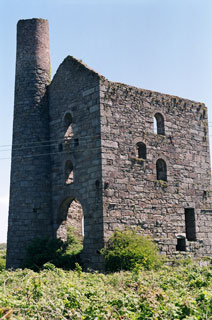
<point x="2" y="256"/>
<point x="61" y="254"/>
<point x="172" y="293"/>
<point x="127" y="250"/>
<point x="151" y="290"/>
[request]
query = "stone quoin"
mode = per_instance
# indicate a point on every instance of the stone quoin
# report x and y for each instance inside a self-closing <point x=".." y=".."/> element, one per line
<point x="100" y="155"/>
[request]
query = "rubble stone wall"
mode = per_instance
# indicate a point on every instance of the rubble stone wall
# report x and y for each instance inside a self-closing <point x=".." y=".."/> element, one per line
<point x="132" y="195"/>
<point x="75" y="91"/>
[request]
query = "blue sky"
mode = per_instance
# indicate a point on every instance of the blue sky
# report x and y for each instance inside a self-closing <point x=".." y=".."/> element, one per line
<point x="162" y="45"/>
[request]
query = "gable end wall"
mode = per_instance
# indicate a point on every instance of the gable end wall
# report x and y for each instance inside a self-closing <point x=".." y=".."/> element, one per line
<point x="75" y="90"/>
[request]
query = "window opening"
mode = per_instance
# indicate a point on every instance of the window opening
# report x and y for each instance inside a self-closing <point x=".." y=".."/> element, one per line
<point x="67" y="120"/>
<point x="68" y="125"/>
<point x="181" y="243"/>
<point x="69" y="173"/>
<point x="60" y="147"/>
<point x="159" y="124"/>
<point x="141" y="150"/>
<point x="161" y="170"/>
<point x="190" y="224"/>
<point x="82" y="227"/>
<point x="155" y="126"/>
<point x="76" y="142"/>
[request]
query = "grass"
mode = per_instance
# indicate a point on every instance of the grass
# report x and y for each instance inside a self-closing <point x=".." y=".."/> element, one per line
<point x="179" y="292"/>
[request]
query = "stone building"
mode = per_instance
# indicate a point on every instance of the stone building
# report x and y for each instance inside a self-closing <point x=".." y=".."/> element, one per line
<point x="101" y="155"/>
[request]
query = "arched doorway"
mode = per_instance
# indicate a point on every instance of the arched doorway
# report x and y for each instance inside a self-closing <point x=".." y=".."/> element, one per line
<point x="70" y="215"/>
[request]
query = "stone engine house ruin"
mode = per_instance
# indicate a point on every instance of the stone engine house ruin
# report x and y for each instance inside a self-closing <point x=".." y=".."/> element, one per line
<point x="102" y="155"/>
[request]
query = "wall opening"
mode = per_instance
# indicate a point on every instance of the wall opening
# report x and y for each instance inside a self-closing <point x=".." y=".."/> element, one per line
<point x="159" y="124"/>
<point x="60" y="147"/>
<point x="161" y="170"/>
<point x="70" y="215"/>
<point x="76" y="142"/>
<point x="68" y="126"/>
<point x="69" y="172"/>
<point x="141" y="150"/>
<point x="181" y="243"/>
<point x="190" y="224"/>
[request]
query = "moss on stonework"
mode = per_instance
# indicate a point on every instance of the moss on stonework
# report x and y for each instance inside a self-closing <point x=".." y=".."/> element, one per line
<point x="138" y="159"/>
<point x="205" y="124"/>
<point x="162" y="183"/>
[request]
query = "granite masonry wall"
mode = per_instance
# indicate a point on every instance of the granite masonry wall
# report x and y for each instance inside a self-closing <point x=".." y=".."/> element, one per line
<point x="30" y="187"/>
<point x="86" y="154"/>
<point x="132" y="194"/>
<point x="75" y="127"/>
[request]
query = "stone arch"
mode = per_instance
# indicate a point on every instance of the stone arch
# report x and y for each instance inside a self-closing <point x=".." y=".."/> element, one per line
<point x="70" y="214"/>
<point x="159" y="127"/>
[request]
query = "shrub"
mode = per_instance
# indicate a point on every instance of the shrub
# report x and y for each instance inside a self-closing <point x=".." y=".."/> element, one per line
<point x="53" y="251"/>
<point x="127" y="250"/>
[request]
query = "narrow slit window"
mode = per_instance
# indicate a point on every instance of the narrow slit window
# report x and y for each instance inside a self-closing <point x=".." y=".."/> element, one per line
<point x="60" y="147"/>
<point x="161" y="170"/>
<point x="141" y="150"/>
<point x="76" y="142"/>
<point x="159" y="124"/>
<point x="190" y="224"/>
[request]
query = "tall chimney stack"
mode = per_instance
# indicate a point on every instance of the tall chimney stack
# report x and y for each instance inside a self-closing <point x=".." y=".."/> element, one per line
<point x="30" y="176"/>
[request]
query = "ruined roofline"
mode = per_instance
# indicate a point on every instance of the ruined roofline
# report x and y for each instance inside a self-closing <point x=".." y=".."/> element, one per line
<point x="166" y="95"/>
<point x="152" y="92"/>
<point x="81" y="63"/>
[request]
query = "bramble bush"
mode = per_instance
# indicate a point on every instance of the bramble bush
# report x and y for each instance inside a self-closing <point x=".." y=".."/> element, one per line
<point x="127" y="250"/>
<point x="182" y="292"/>
<point x="55" y="251"/>
<point x="179" y="292"/>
